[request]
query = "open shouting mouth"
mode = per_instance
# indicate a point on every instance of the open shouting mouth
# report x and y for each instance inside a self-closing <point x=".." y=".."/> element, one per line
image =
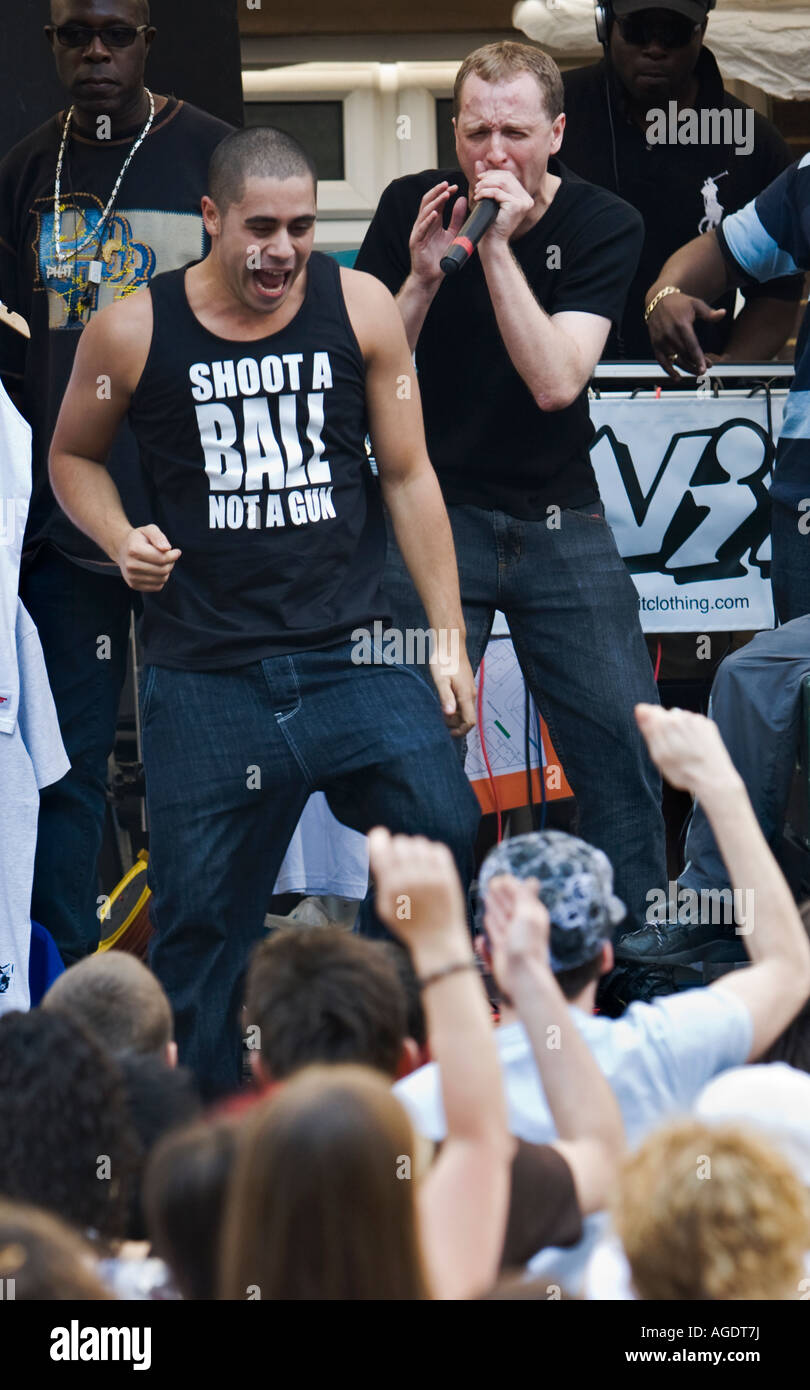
<point x="271" y="284"/>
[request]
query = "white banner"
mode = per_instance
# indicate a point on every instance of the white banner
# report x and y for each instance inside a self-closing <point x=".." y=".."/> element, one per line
<point x="685" y="485"/>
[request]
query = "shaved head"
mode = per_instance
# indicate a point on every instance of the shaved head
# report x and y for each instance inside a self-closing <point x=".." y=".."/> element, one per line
<point x="117" y="998"/>
<point x="260" y="152"/>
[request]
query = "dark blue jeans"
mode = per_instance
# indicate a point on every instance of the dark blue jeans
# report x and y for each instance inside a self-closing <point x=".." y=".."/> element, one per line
<point x="230" y="759"/>
<point x="756" y="702"/>
<point x="75" y="610"/>
<point x="572" y="610"/>
<point x="790" y="566"/>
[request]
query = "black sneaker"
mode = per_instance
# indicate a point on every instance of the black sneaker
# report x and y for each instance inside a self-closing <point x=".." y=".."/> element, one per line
<point x="676" y="945"/>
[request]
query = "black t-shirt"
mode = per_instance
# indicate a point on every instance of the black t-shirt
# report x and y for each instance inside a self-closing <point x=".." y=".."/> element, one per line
<point x="490" y="443"/>
<point x="679" y="189"/>
<point x="543" y="1205"/>
<point x="155" y="225"/>
<point x="255" y="457"/>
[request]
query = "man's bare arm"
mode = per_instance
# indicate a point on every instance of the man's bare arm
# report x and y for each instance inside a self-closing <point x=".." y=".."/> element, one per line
<point x="108" y="364"/>
<point x="555" y="355"/>
<point x="582" y="1104"/>
<point x="409" y="484"/>
<point x="760" y="331"/>
<point x="690" y="753"/>
<point x="701" y="273"/>
<point x="463" y="1199"/>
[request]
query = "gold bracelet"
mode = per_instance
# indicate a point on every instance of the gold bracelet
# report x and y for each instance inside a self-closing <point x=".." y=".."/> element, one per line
<point x="662" y="294"/>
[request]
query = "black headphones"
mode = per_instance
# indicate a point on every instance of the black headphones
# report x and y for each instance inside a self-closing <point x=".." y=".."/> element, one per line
<point x="604" y="16"/>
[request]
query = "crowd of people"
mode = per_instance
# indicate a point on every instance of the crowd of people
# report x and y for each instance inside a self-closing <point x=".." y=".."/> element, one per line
<point x="389" y="1142"/>
<point x="438" y="1104"/>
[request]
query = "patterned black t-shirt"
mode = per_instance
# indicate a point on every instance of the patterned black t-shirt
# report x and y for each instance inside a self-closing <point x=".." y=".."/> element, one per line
<point x="155" y="225"/>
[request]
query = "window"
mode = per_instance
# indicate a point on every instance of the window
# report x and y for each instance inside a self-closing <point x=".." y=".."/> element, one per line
<point x="317" y="125"/>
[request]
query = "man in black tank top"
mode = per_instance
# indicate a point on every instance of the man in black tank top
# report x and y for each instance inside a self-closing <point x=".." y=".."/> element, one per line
<point x="250" y="379"/>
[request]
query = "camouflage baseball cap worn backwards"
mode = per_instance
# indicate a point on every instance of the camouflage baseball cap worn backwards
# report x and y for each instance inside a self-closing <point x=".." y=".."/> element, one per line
<point x="576" y="887"/>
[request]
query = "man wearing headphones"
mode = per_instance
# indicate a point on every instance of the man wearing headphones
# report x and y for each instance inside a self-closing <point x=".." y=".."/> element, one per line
<point x="653" y="122"/>
<point x="683" y="167"/>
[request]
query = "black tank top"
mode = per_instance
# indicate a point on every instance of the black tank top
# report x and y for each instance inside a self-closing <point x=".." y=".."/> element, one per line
<point x="254" y="454"/>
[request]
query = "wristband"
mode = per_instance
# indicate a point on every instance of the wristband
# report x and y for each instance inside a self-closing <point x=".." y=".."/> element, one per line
<point x="471" y="964"/>
<point x="662" y="294"/>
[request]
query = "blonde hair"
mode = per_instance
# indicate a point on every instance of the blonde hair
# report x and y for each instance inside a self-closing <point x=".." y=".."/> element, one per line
<point x="499" y="62"/>
<point x="712" y="1212"/>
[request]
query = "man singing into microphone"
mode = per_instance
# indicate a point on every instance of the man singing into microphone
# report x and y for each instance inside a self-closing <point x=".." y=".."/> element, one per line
<point x="505" y="348"/>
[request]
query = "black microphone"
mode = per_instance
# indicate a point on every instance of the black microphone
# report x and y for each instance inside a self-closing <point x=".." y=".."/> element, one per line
<point x="479" y="221"/>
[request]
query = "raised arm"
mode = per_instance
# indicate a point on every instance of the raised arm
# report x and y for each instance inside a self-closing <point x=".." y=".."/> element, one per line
<point x="689" y="751"/>
<point x="463" y="1199"/>
<point x="428" y="242"/>
<point x="109" y="360"/>
<point x="410" y="487"/>
<point x="582" y="1104"/>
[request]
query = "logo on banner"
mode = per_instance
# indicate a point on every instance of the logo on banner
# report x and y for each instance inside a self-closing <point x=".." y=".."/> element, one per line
<point x="706" y="509"/>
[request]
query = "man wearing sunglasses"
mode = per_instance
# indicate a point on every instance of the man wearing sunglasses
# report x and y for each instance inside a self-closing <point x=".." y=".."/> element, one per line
<point x="95" y="202"/>
<point x="654" y="55"/>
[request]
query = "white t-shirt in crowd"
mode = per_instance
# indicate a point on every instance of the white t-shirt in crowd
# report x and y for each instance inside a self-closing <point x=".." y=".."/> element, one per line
<point x="657" y="1057"/>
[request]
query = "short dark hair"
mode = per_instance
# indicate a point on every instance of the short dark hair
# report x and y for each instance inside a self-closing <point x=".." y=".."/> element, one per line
<point x="416" y="1022"/>
<point x="161" y="1099"/>
<point x="257" y="152"/>
<point x="64" y="1110"/>
<point x="319" y="994"/>
<point x="118" y="998"/>
<point x="572" y="982"/>
<point x="184" y="1194"/>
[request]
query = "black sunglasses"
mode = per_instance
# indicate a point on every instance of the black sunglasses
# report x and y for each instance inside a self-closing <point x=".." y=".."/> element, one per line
<point x="671" y="31"/>
<point x="114" y="36"/>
